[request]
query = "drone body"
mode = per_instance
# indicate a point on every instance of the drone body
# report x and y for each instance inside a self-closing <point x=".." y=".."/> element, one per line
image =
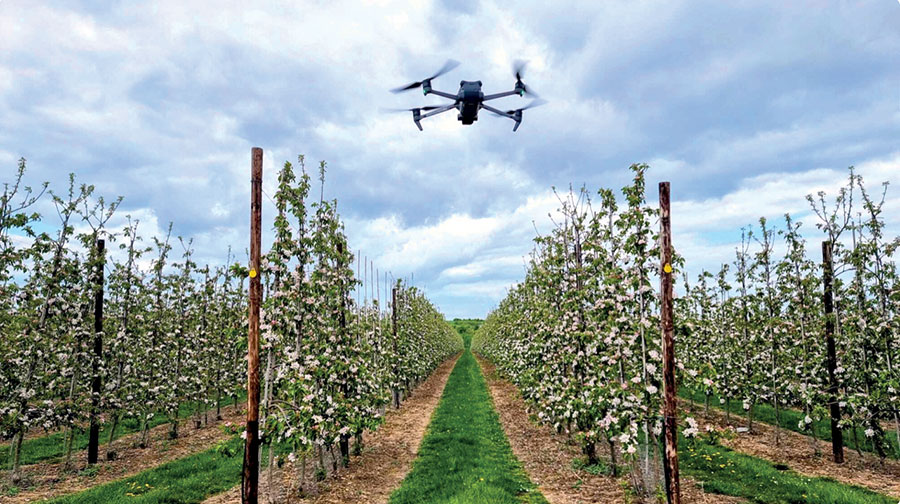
<point x="469" y="99"/>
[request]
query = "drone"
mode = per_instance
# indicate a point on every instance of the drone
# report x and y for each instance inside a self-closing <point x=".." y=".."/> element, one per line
<point x="470" y="98"/>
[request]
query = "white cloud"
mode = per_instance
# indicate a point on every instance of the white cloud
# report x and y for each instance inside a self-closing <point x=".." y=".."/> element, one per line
<point x="162" y="101"/>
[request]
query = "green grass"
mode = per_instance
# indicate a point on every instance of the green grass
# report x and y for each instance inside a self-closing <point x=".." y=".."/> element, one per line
<point x="790" y="418"/>
<point x="465" y="457"/>
<point x="727" y="472"/>
<point x="52" y="446"/>
<point x="187" y="480"/>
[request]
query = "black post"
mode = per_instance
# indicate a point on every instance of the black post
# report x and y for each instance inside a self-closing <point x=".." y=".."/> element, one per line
<point x="395" y="390"/>
<point x="837" y="436"/>
<point x="344" y="441"/>
<point x="94" y="436"/>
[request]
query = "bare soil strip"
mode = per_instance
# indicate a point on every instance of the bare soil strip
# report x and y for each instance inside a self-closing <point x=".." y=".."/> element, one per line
<point x="50" y="480"/>
<point x="795" y="451"/>
<point x="386" y="459"/>
<point x="548" y="456"/>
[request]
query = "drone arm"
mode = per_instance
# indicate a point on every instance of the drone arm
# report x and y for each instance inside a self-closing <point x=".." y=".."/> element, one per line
<point x="515" y="117"/>
<point x="501" y="95"/>
<point x="496" y="111"/>
<point x="441" y="93"/>
<point x="439" y="110"/>
<point x="418" y="115"/>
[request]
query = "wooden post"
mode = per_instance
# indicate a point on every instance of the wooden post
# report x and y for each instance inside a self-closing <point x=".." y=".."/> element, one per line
<point x="670" y="429"/>
<point x="250" y="485"/>
<point x="94" y="436"/>
<point x="837" y="436"/>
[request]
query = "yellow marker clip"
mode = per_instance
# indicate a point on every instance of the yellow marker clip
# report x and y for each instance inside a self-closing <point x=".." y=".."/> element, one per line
<point x="253" y="273"/>
<point x="667" y="268"/>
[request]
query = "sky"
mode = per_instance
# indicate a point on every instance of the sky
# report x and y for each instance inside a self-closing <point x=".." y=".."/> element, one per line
<point x="745" y="107"/>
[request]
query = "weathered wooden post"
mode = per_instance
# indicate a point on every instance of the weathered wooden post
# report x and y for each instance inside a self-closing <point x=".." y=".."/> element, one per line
<point x="837" y="436"/>
<point x="250" y="484"/>
<point x="670" y="459"/>
<point x="94" y="435"/>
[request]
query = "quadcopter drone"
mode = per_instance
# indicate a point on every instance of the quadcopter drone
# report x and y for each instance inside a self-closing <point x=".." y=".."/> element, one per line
<point x="470" y="98"/>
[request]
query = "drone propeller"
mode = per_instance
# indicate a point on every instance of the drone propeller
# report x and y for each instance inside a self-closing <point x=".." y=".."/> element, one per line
<point x="535" y="103"/>
<point x="429" y="107"/>
<point x="449" y="65"/>
<point x="519" y="70"/>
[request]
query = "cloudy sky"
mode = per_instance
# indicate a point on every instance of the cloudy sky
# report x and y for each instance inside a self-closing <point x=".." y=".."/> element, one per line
<point x="744" y="106"/>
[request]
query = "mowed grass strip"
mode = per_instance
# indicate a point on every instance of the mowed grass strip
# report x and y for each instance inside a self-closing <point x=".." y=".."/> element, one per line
<point x="790" y="420"/>
<point x="186" y="480"/>
<point x="724" y="471"/>
<point x="52" y="446"/>
<point x="465" y="457"/>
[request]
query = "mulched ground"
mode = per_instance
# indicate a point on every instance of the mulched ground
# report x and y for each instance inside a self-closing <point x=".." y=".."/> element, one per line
<point x="50" y="480"/>
<point x="795" y="451"/>
<point x="547" y="456"/>
<point x="386" y="459"/>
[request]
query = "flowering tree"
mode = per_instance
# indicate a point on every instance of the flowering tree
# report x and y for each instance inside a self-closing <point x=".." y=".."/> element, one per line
<point x="578" y="334"/>
<point x="330" y="365"/>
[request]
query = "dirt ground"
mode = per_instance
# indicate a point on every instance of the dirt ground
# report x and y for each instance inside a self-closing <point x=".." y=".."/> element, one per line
<point x="796" y="452"/>
<point x="386" y="458"/>
<point x="50" y="480"/>
<point x="547" y="456"/>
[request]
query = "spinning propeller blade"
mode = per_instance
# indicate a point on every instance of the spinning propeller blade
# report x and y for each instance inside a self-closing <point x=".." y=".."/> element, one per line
<point x="519" y="68"/>
<point x="519" y="71"/>
<point x="449" y="65"/>
<point x="535" y="103"/>
<point x="429" y="107"/>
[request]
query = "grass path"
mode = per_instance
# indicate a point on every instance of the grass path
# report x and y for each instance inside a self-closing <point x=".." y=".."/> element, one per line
<point x="465" y="456"/>
<point x="794" y="451"/>
<point x="51" y="447"/>
<point x="50" y="480"/>
<point x="790" y="419"/>
<point x="728" y="472"/>
<point x="186" y="480"/>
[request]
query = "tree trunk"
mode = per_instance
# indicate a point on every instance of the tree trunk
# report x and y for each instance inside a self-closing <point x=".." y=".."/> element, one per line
<point x="345" y="450"/>
<point x="145" y="432"/>
<point x="270" y="494"/>
<point x="70" y="437"/>
<point x="750" y="418"/>
<point x="358" y="445"/>
<point x="112" y="435"/>
<point x="614" y="467"/>
<point x="17" y="451"/>
<point x="590" y="449"/>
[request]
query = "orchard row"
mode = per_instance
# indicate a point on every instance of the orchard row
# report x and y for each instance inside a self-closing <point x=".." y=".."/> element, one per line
<point x="580" y="335"/>
<point x="755" y="331"/>
<point x="174" y="333"/>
